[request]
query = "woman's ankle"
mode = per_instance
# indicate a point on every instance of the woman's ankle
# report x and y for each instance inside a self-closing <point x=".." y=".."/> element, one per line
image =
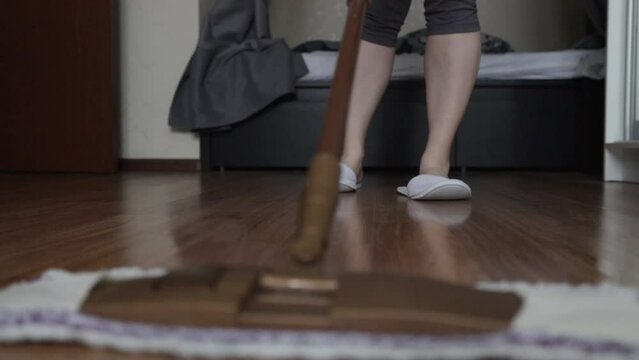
<point x="355" y="163"/>
<point x="434" y="168"/>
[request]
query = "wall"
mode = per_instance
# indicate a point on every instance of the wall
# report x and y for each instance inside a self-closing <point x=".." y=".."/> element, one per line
<point x="530" y="25"/>
<point x="157" y="37"/>
<point x="535" y="25"/>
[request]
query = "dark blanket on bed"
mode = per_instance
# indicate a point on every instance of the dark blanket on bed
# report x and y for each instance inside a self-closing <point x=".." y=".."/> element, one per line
<point x="413" y="43"/>
<point x="236" y="70"/>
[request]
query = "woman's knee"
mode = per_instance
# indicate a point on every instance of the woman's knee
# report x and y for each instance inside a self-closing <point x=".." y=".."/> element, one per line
<point x="451" y="16"/>
<point x="384" y="20"/>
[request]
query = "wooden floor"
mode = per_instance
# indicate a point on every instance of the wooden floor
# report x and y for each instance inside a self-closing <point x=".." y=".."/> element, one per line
<point x="558" y="227"/>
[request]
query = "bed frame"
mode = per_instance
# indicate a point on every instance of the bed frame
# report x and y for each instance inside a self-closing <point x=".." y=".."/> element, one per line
<point x="510" y="124"/>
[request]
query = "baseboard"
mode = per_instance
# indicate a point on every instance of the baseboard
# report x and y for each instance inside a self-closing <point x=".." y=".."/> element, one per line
<point x="168" y="165"/>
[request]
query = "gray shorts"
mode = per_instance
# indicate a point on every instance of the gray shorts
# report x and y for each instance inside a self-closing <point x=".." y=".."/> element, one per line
<point x="386" y="17"/>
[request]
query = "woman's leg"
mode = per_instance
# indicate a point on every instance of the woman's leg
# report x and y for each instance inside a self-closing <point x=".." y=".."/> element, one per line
<point x="374" y="68"/>
<point x="451" y="64"/>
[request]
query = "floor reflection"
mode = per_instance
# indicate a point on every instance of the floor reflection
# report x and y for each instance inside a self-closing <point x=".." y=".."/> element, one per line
<point x="232" y="220"/>
<point x="351" y="248"/>
<point x="154" y="207"/>
<point x="446" y="259"/>
<point x="619" y="234"/>
<point x="407" y="236"/>
<point x="516" y="228"/>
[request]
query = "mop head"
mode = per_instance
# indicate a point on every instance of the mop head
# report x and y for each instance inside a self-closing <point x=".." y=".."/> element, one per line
<point x="557" y="321"/>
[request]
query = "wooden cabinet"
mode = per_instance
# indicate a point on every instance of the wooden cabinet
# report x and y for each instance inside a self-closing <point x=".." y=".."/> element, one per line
<point x="57" y="99"/>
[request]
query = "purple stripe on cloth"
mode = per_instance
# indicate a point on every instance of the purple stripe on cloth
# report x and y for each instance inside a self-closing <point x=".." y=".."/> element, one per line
<point x="82" y="323"/>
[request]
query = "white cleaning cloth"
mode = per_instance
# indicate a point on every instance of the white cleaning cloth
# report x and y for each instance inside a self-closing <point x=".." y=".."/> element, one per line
<point x="557" y="322"/>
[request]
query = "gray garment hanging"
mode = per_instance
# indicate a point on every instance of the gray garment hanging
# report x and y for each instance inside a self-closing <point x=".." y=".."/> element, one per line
<point x="236" y="70"/>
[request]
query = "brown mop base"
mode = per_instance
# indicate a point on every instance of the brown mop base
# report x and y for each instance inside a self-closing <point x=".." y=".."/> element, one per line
<point x="250" y="298"/>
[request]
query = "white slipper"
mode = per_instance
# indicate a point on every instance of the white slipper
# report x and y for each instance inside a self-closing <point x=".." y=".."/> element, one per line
<point x="431" y="187"/>
<point x="348" y="179"/>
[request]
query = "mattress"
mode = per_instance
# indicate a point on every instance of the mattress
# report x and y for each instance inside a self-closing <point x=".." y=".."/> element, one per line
<point x="554" y="65"/>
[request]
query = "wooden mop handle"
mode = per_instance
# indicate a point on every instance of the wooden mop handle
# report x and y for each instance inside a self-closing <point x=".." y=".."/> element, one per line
<point x="320" y="195"/>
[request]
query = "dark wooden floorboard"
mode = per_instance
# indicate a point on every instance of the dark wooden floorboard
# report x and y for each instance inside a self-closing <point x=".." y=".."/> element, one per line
<point x="519" y="226"/>
<point x="558" y="227"/>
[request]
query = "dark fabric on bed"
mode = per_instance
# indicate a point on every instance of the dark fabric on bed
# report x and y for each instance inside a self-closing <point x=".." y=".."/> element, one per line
<point x="413" y="43"/>
<point x="494" y="45"/>
<point x="236" y="70"/>
<point x="317" y="45"/>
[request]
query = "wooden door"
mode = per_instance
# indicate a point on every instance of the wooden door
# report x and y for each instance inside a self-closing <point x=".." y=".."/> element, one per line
<point x="57" y="86"/>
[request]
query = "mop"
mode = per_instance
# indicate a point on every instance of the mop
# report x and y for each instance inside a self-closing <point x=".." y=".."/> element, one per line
<point x="321" y="193"/>
<point x="557" y="321"/>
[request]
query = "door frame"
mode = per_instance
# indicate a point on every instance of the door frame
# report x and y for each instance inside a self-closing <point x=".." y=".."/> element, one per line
<point x="621" y="152"/>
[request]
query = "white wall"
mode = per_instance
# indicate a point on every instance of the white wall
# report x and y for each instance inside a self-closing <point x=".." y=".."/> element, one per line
<point x="157" y="38"/>
<point x="530" y="25"/>
<point x="534" y="25"/>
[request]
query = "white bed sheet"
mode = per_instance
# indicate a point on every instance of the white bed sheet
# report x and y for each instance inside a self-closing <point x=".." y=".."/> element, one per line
<point x="554" y="65"/>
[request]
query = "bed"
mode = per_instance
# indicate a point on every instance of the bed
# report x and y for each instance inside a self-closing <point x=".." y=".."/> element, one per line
<point x="553" y="65"/>
<point x="528" y="111"/>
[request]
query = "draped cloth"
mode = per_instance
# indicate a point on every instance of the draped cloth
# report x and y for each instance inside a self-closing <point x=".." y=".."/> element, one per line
<point x="236" y="70"/>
